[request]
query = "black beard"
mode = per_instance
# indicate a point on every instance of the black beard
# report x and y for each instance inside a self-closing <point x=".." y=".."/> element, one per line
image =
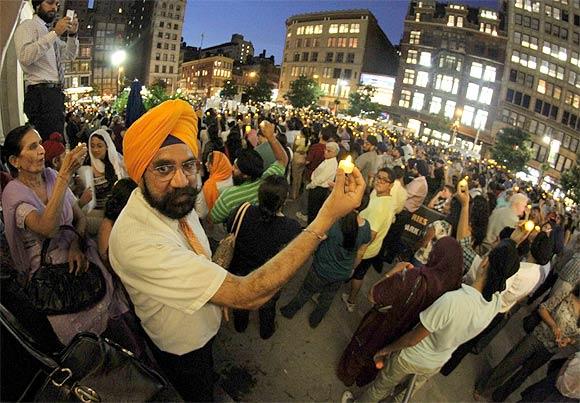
<point x="238" y="179"/>
<point x="45" y="17"/>
<point x="168" y="204"/>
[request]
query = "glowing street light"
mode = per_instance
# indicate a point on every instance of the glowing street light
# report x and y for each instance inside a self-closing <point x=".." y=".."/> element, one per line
<point x="117" y="59"/>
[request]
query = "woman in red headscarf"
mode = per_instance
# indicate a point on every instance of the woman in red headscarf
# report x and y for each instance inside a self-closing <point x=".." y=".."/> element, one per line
<point x="398" y="299"/>
<point x="220" y="177"/>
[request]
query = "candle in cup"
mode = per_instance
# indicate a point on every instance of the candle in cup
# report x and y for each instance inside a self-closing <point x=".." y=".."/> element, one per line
<point x="529" y="225"/>
<point x="537" y="228"/>
<point x="346" y="165"/>
<point x="462" y="185"/>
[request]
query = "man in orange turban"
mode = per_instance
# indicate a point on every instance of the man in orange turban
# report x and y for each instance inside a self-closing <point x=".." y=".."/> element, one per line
<point x="161" y="254"/>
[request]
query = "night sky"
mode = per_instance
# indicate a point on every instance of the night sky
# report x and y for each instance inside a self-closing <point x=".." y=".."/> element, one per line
<point x="263" y="22"/>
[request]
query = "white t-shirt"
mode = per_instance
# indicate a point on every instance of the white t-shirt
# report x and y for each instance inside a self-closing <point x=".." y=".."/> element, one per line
<point x="456" y="317"/>
<point x="399" y="195"/>
<point x="169" y="284"/>
<point x="519" y="285"/>
<point x="380" y="213"/>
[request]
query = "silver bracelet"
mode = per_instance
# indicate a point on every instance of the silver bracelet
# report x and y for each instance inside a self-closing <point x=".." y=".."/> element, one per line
<point x="320" y="237"/>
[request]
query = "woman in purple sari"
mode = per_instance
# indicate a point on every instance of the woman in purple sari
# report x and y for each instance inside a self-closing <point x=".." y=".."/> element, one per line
<point x="35" y="204"/>
<point x="398" y="299"/>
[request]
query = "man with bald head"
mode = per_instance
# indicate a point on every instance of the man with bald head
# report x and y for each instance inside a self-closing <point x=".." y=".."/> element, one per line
<point x="162" y="256"/>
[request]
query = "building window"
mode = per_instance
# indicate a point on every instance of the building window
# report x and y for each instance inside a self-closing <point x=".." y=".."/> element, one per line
<point x="546" y="109"/>
<point x="435" y="105"/>
<point x="304" y="56"/>
<point x="336" y="73"/>
<point x="318" y="29"/>
<point x="329" y="57"/>
<point x="347" y="75"/>
<point x="157" y="56"/>
<point x="486" y="95"/>
<point x="451" y="20"/>
<point x="489" y="73"/>
<point x="411" y="56"/>
<point x="354" y="28"/>
<point x="425" y="59"/>
<point x="341" y="43"/>
<point x="449" y="112"/>
<point x="467" y="116"/>
<point x="512" y="118"/>
<point x="480" y="119"/>
<point x="157" y="68"/>
<point x="339" y="57"/>
<point x="327" y="72"/>
<point x="418" y="101"/>
<point x="572" y="99"/>
<point x="476" y="70"/>
<point x="300" y="31"/>
<point x="415" y="37"/>
<point x="350" y="57"/>
<point x="325" y="88"/>
<point x="296" y="57"/>
<point x="343" y="28"/>
<point x="314" y="56"/>
<point x="333" y="29"/>
<point x="353" y="42"/>
<point x="446" y="83"/>
<point x="518" y="98"/>
<point x="409" y="77"/>
<point x="405" y="99"/>
<point x="552" y="69"/>
<point x="472" y="91"/>
<point x="549" y="89"/>
<point x="450" y="62"/>
<point x="422" y="78"/>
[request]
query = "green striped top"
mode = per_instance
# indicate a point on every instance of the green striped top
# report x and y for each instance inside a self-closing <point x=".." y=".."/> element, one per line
<point x="233" y="197"/>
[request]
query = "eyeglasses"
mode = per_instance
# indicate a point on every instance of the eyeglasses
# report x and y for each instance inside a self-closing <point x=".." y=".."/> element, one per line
<point x="382" y="179"/>
<point x="166" y="172"/>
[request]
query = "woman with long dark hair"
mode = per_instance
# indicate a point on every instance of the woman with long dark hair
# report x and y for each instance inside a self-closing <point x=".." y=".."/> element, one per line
<point x="333" y="264"/>
<point x="106" y="167"/>
<point x="264" y="231"/>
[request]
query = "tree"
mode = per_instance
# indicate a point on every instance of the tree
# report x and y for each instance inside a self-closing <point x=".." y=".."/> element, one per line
<point x="361" y="103"/>
<point x="303" y="92"/>
<point x="512" y="148"/>
<point x="570" y="181"/>
<point x="158" y="94"/>
<point x="121" y="102"/>
<point x="261" y="91"/>
<point x="230" y="90"/>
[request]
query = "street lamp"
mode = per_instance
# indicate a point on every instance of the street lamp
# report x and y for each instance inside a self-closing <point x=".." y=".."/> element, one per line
<point x="117" y="59"/>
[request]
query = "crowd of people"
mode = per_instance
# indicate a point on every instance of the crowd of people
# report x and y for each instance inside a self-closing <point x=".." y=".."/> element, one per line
<point x="148" y="208"/>
<point x="155" y="210"/>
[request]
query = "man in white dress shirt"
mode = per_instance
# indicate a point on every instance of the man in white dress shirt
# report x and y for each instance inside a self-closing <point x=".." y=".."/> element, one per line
<point x="42" y="55"/>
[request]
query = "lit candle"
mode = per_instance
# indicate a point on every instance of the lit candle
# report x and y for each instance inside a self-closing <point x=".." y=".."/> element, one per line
<point x="516" y="189"/>
<point x="537" y="228"/>
<point x="346" y="165"/>
<point x="462" y="185"/>
<point x="529" y="225"/>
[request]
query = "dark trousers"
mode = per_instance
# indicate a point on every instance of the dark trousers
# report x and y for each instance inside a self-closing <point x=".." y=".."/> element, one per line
<point x="314" y="283"/>
<point x="525" y="358"/>
<point x="44" y="108"/>
<point x="267" y="314"/>
<point x="316" y="198"/>
<point x="191" y="374"/>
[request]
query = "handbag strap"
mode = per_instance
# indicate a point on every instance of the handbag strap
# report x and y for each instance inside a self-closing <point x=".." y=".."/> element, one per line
<point x="46" y="242"/>
<point x="240" y="217"/>
<point x="23" y="337"/>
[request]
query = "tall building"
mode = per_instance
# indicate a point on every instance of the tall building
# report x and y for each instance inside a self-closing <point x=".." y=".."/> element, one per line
<point x="206" y="76"/>
<point x="541" y="92"/>
<point x="237" y="48"/>
<point x="154" y="38"/>
<point x="335" y="48"/>
<point x="449" y="81"/>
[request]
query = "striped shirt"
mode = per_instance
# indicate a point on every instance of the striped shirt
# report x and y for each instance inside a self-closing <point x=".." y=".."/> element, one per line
<point x="35" y="51"/>
<point x="233" y="197"/>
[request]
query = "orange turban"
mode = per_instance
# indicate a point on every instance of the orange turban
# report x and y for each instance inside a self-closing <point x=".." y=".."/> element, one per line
<point x="221" y="170"/>
<point x="146" y="135"/>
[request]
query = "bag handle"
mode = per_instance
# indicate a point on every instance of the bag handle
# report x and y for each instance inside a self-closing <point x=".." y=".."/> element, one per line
<point x="23" y="337"/>
<point x="46" y="243"/>
<point x="240" y="217"/>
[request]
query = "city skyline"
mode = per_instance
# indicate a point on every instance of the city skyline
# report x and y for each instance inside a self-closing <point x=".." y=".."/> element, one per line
<point x="254" y="18"/>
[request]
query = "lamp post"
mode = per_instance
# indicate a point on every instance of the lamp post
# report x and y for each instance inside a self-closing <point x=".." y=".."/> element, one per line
<point x="117" y="59"/>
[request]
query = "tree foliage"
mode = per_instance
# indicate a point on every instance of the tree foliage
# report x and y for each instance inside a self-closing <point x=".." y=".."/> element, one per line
<point x="512" y="148"/>
<point x="261" y="91"/>
<point x="158" y="94"/>
<point x="121" y="102"/>
<point x="570" y="181"/>
<point x="303" y="92"/>
<point x="360" y="103"/>
<point x="230" y="90"/>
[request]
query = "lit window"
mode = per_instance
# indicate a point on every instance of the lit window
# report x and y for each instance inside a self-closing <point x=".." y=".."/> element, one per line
<point x="425" y="59"/>
<point x="405" y="99"/>
<point x="476" y="70"/>
<point x="460" y="21"/>
<point x="446" y="83"/>
<point x="415" y="37"/>
<point x="486" y="95"/>
<point x="467" y="116"/>
<point x="435" y="105"/>
<point x="412" y="56"/>
<point x="451" y="21"/>
<point x="541" y="86"/>
<point x="449" y="109"/>
<point x="354" y="28"/>
<point x="300" y="31"/>
<point x="418" y="101"/>
<point x="422" y="79"/>
<point x="480" y="119"/>
<point x="309" y="30"/>
<point x="489" y="73"/>
<point x="318" y="29"/>
<point x="343" y="28"/>
<point x="409" y="77"/>
<point x="574" y="59"/>
<point x="333" y="29"/>
<point x="472" y="91"/>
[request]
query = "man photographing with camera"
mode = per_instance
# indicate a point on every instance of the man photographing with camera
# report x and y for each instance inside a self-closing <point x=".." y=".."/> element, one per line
<point x="42" y="55"/>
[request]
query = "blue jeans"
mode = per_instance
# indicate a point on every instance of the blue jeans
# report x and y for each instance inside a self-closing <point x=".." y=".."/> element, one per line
<point x="313" y="283"/>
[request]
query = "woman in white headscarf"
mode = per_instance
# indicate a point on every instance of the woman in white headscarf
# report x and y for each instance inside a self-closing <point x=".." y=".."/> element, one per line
<point x="106" y="168"/>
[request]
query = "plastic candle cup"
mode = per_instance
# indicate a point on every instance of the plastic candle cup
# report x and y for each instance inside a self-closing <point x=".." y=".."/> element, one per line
<point x="529" y="225"/>
<point x="346" y="165"/>
<point x="538" y="229"/>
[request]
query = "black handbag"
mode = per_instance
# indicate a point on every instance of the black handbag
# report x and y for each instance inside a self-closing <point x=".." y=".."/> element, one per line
<point x="52" y="290"/>
<point x="90" y="369"/>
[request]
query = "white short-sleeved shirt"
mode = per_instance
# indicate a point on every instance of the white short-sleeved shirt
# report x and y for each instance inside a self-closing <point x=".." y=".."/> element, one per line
<point x="456" y="317"/>
<point x="169" y="284"/>
<point x="520" y="285"/>
<point x="380" y="214"/>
